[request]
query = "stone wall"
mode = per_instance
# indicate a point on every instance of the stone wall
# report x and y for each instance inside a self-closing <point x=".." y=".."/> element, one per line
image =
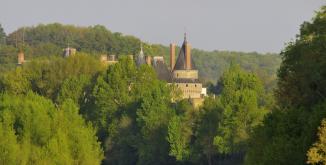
<point x="190" y="90"/>
<point x="190" y="74"/>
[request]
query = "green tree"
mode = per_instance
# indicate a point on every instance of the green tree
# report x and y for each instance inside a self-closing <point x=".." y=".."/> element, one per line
<point x="179" y="140"/>
<point x="317" y="153"/>
<point x="2" y="36"/>
<point x="181" y="130"/>
<point x="208" y="127"/>
<point x="9" y="148"/>
<point x="45" y="76"/>
<point x="301" y="75"/>
<point x="291" y="128"/>
<point x="131" y="109"/>
<point x="240" y="97"/>
<point x="33" y="131"/>
<point x="74" y="88"/>
<point x="153" y="118"/>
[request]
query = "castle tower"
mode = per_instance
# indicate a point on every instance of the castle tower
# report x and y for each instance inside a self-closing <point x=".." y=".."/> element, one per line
<point x="185" y="75"/>
<point x="21" y="58"/>
<point x="148" y="60"/>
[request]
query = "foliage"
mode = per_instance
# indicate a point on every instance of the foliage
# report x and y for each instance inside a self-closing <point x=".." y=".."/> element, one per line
<point x="131" y="109"/>
<point x="302" y="72"/>
<point x="35" y="132"/>
<point x="74" y="88"/>
<point x="207" y="129"/>
<point x="240" y="97"/>
<point x="138" y="119"/>
<point x="285" y="136"/>
<point x="212" y="65"/>
<point x="317" y="152"/>
<point x="289" y="131"/>
<point x="2" y="36"/>
<point x="50" y="39"/>
<point x="222" y="125"/>
<point x="45" y="76"/>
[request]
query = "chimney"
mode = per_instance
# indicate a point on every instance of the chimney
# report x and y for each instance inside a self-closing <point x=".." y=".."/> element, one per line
<point x="21" y="58"/>
<point x="188" y="55"/>
<point x="172" y="56"/>
<point x="148" y="60"/>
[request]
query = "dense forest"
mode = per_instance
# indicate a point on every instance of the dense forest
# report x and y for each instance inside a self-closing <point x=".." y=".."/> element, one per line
<point x="262" y="108"/>
<point x="50" y="40"/>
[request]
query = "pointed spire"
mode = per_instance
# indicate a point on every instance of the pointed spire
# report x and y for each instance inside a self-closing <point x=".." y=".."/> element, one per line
<point x="141" y="53"/>
<point x="140" y="59"/>
<point x="185" y="37"/>
<point x="141" y="47"/>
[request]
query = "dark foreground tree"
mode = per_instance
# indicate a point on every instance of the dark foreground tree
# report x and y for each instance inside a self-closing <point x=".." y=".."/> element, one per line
<point x="289" y="131"/>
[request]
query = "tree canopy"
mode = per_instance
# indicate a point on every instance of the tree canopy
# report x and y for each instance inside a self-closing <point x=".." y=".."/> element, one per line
<point x="290" y="130"/>
<point x="34" y="131"/>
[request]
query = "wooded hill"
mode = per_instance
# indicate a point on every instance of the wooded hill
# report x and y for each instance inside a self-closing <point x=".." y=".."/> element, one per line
<point x="50" y="39"/>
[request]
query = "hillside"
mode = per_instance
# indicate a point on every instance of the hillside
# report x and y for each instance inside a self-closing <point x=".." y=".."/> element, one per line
<point x="50" y="39"/>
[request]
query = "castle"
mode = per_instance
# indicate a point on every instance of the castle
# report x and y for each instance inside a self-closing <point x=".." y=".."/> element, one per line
<point x="182" y="72"/>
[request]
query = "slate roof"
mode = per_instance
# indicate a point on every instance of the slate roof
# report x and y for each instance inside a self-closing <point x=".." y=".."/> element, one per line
<point x="162" y="71"/>
<point x="181" y="60"/>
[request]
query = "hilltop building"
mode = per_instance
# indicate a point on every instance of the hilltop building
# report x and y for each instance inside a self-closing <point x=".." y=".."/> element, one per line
<point x="108" y="59"/>
<point x="21" y="58"/>
<point x="185" y="74"/>
<point x="182" y="72"/>
<point x="69" y="51"/>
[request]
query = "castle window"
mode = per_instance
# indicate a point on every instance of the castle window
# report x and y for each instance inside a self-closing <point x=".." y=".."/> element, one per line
<point x="195" y="85"/>
<point x="186" y="85"/>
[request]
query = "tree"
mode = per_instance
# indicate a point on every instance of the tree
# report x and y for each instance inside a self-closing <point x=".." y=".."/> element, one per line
<point x="2" y="36"/>
<point x="181" y="130"/>
<point x="302" y="72"/>
<point x="33" y="131"/>
<point x="153" y="118"/>
<point x="317" y="153"/>
<point x="9" y="148"/>
<point x="208" y="127"/>
<point x="131" y="109"/>
<point x="179" y="142"/>
<point x="46" y="75"/>
<point x="290" y="130"/>
<point x="74" y="88"/>
<point x="240" y="97"/>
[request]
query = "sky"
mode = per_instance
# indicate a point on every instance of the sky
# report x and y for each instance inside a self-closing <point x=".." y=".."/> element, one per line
<point x="235" y="25"/>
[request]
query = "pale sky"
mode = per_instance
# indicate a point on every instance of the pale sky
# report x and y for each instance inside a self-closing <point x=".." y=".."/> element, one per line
<point x="237" y="25"/>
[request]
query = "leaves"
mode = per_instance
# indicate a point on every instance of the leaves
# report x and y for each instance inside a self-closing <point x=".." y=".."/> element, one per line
<point x="44" y="134"/>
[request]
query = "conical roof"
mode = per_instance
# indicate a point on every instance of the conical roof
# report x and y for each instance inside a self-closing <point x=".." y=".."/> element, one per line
<point x="181" y="60"/>
<point x="140" y="59"/>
